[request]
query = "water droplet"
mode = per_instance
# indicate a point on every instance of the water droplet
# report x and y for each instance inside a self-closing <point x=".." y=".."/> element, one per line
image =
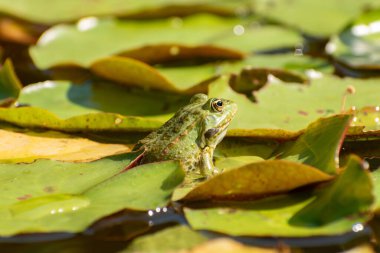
<point x="298" y="50"/>
<point x="357" y="227"/>
<point x="150" y="213"/>
<point x="367" y="116"/>
<point x="87" y="23"/>
<point x="165" y="209"/>
<point x="238" y="30"/>
<point x="330" y="47"/>
<point x="118" y="121"/>
<point x="313" y="74"/>
<point x="158" y="210"/>
<point x="52" y="204"/>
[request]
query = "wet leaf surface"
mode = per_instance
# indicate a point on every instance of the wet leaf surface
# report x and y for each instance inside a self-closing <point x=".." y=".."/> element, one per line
<point x="70" y="196"/>
<point x="279" y="216"/>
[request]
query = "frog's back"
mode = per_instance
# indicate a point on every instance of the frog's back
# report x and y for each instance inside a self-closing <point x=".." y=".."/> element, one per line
<point x="177" y="137"/>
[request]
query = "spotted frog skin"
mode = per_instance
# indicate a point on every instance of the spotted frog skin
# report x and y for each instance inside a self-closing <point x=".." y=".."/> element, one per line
<point x="191" y="135"/>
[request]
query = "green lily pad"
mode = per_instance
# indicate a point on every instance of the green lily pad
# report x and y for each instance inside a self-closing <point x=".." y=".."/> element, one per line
<point x="68" y="44"/>
<point x="336" y="202"/>
<point x="195" y="78"/>
<point x="282" y="110"/>
<point x="358" y="45"/>
<point x="81" y="194"/>
<point x="306" y="15"/>
<point x="276" y="216"/>
<point x="10" y="86"/>
<point x="33" y="117"/>
<point x="66" y="99"/>
<point x="320" y="144"/>
<point x="41" y="11"/>
<point x="175" y="238"/>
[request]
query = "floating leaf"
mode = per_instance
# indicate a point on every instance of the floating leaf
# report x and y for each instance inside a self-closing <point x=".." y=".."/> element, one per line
<point x="195" y="78"/>
<point x="41" y="11"/>
<point x="70" y="196"/>
<point x="68" y="44"/>
<point x="281" y="110"/>
<point x="275" y="216"/>
<point x="66" y="99"/>
<point x="10" y="86"/>
<point x="33" y="117"/>
<point x="358" y="45"/>
<point x="175" y="238"/>
<point x="336" y="202"/>
<point x="298" y="14"/>
<point x="320" y="144"/>
<point x="27" y="146"/>
<point x="252" y="79"/>
<point x="256" y="180"/>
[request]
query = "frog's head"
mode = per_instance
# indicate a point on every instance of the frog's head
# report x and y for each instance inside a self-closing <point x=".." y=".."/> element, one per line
<point x="218" y="114"/>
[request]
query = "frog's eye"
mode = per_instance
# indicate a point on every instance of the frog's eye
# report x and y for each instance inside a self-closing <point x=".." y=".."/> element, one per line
<point x="217" y="105"/>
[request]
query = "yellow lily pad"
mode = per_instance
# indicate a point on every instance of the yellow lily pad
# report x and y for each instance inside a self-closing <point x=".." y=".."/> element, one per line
<point x="29" y="146"/>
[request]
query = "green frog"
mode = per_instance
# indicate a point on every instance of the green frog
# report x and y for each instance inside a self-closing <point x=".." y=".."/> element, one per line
<point x="191" y="135"/>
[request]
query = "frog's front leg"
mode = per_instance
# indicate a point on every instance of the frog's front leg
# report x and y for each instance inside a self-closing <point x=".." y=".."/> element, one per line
<point x="207" y="166"/>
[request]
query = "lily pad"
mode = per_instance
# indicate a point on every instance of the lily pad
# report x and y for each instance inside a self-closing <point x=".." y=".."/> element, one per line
<point x="66" y="99"/>
<point x="358" y="45"/>
<point x="68" y="44"/>
<point x="335" y="201"/>
<point x="301" y="14"/>
<point x="195" y="78"/>
<point x="27" y="146"/>
<point x="319" y="146"/>
<point x="33" y="117"/>
<point x="282" y="110"/>
<point x="175" y="238"/>
<point x="81" y="194"/>
<point x="41" y="11"/>
<point x="275" y="216"/>
<point x="183" y="239"/>
<point x="257" y="180"/>
<point x="10" y="86"/>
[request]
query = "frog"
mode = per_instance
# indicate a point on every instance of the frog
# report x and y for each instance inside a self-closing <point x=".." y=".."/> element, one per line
<point x="191" y="135"/>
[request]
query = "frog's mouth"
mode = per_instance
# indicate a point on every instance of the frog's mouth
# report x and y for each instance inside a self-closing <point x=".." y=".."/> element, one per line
<point x="215" y="132"/>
